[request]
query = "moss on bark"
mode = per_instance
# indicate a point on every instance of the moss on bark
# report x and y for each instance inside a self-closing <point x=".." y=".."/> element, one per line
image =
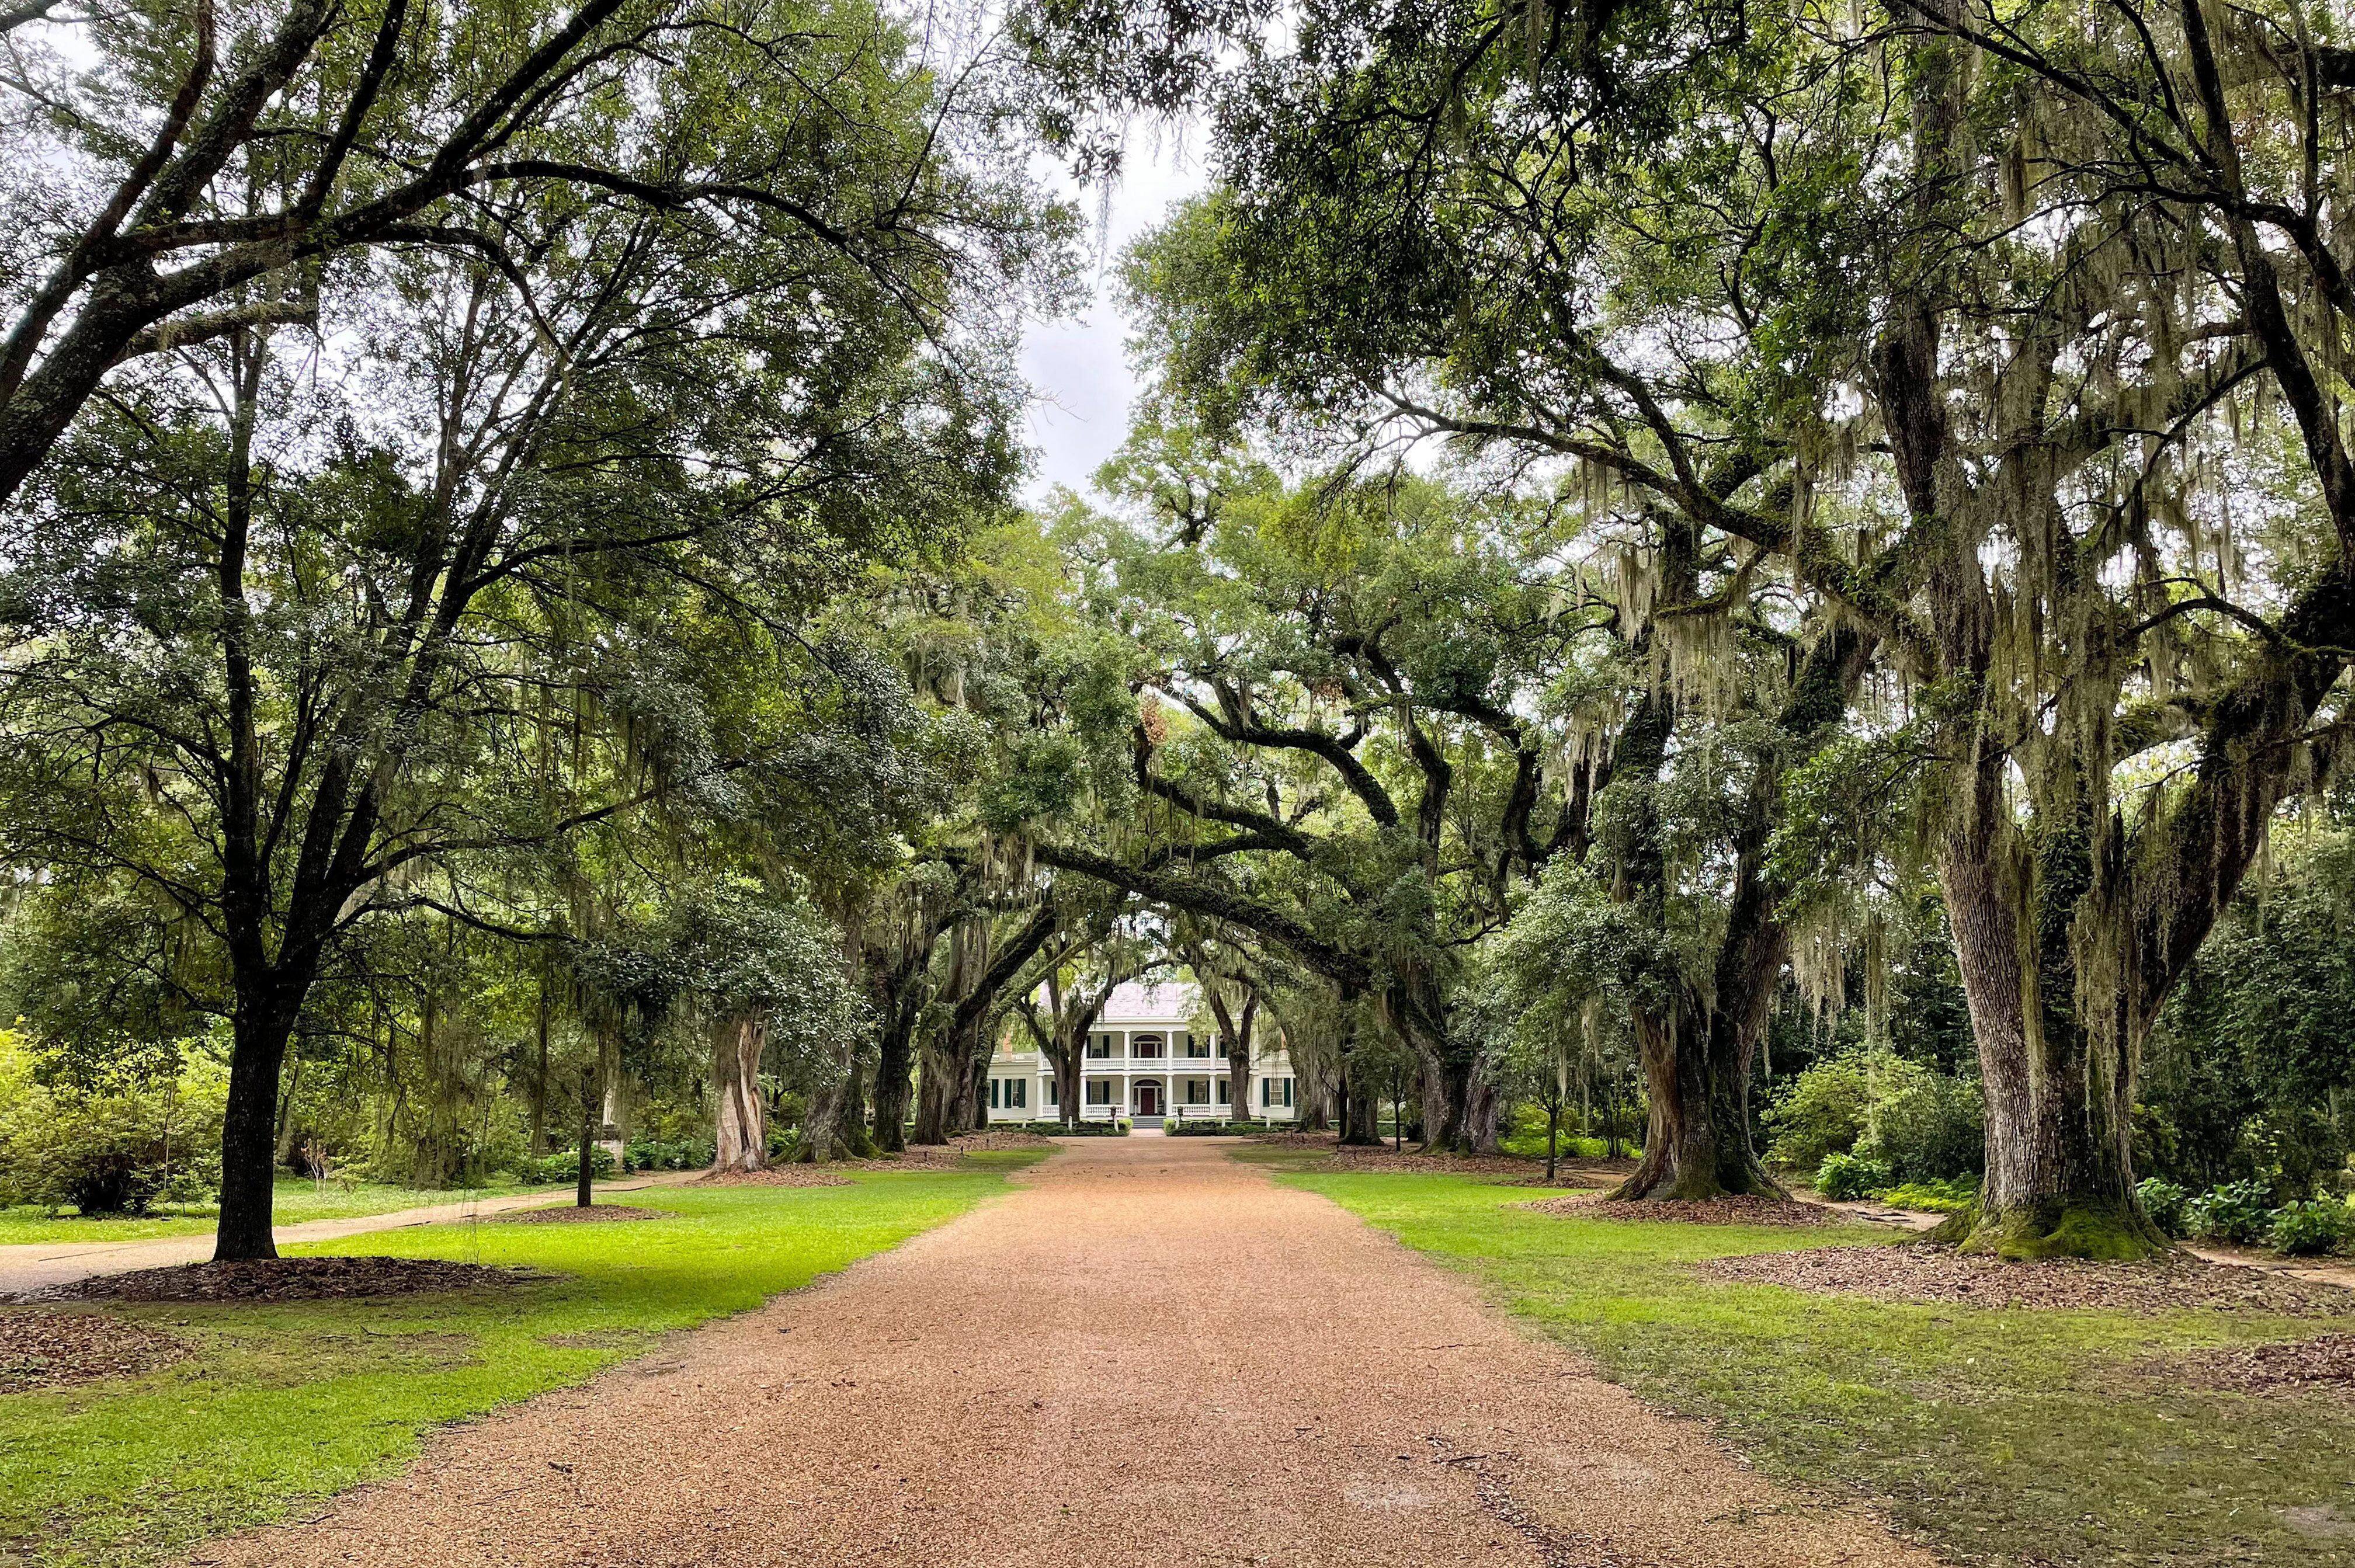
<point x="2106" y="1232"/>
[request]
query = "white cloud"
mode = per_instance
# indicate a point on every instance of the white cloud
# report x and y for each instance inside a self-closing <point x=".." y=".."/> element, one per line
<point x="1078" y="366"/>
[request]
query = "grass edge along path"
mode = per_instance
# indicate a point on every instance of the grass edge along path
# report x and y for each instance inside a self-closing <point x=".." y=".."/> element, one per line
<point x="297" y="1200"/>
<point x="1998" y="1435"/>
<point x="282" y="1406"/>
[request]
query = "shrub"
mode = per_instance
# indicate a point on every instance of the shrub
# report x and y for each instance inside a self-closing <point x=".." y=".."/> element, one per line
<point x="1844" y="1177"/>
<point x="1925" y="1125"/>
<point x="114" y="1150"/>
<point x="1527" y="1137"/>
<point x="1177" y="1129"/>
<point x="1888" y="1108"/>
<point x="2302" y="1230"/>
<point x="1949" y="1197"/>
<point x="683" y="1154"/>
<point x="2236" y="1211"/>
<point x="565" y="1164"/>
<point x="2168" y="1206"/>
<point x="1821" y="1113"/>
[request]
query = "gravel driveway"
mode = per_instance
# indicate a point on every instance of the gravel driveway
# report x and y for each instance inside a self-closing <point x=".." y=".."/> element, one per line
<point x="1146" y="1354"/>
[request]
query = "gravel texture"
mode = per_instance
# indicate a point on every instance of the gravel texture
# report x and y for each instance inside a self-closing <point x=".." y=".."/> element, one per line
<point x="574" y="1214"/>
<point x="1145" y="1355"/>
<point x="52" y="1350"/>
<point x="1921" y="1273"/>
<point x="1732" y="1211"/>
<point x="2325" y="1364"/>
<point x="286" y="1279"/>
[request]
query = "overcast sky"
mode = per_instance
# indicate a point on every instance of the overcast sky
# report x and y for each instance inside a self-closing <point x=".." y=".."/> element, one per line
<point x="1079" y="367"/>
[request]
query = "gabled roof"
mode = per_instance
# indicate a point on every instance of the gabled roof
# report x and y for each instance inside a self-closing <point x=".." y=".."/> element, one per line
<point x="1140" y="1002"/>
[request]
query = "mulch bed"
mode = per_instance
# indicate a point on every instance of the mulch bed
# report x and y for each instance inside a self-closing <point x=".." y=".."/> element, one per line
<point x="287" y="1279"/>
<point x="1914" y="1272"/>
<point x="777" y="1176"/>
<point x="574" y="1214"/>
<point x="1728" y="1210"/>
<point x="949" y="1156"/>
<point x="53" y="1349"/>
<point x="1383" y="1161"/>
<point x="2323" y="1365"/>
<point x="1001" y="1137"/>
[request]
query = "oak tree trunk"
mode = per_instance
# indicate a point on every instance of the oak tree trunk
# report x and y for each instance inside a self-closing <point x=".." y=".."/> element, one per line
<point x="1361" y="1111"/>
<point x="1697" y="1139"/>
<point x="893" y="1063"/>
<point x="263" y="1024"/>
<point x="2057" y="1084"/>
<point x="742" y="1126"/>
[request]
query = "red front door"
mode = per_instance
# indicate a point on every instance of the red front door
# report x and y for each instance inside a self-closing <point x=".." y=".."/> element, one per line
<point x="1148" y="1099"/>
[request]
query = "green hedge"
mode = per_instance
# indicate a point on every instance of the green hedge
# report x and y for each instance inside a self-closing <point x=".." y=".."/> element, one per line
<point x="1178" y="1130"/>
<point x="1079" y="1130"/>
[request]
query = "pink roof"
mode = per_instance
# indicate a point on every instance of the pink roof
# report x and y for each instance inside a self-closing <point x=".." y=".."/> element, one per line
<point x="1151" y="1002"/>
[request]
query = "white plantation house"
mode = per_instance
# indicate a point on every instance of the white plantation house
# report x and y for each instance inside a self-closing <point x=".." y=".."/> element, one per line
<point x="1145" y="1060"/>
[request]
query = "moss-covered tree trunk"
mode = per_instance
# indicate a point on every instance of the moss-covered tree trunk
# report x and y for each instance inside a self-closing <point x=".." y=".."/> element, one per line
<point x="1696" y="1141"/>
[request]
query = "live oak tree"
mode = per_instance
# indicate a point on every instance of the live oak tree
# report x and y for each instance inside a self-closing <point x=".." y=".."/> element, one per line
<point x="1437" y="222"/>
<point x="1325" y="749"/>
<point x="760" y="976"/>
<point x="2105" y="376"/>
<point x="282" y="661"/>
<point x="231" y="168"/>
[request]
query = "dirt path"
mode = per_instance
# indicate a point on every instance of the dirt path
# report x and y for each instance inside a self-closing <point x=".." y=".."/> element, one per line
<point x="35" y="1265"/>
<point x="1148" y="1354"/>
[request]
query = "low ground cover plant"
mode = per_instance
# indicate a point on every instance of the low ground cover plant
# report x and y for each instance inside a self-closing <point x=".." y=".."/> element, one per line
<point x="1844" y="1178"/>
<point x="2318" y="1225"/>
<point x="565" y="1165"/>
<point x="1949" y="1197"/>
<point x="684" y="1154"/>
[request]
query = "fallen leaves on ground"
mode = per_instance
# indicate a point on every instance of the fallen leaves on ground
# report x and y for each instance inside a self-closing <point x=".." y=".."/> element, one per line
<point x="1386" y="1161"/>
<point x="1923" y="1273"/>
<point x="574" y="1214"/>
<point x="2325" y="1364"/>
<point x="287" y="1279"/>
<point x="1727" y="1211"/>
<point x="52" y="1350"/>
<point x="775" y="1176"/>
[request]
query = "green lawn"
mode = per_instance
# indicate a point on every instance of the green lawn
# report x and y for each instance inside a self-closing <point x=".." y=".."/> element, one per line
<point x="2013" y="1436"/>
<point x="297" y="1200"/>
<point x="282" y="1405"/>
